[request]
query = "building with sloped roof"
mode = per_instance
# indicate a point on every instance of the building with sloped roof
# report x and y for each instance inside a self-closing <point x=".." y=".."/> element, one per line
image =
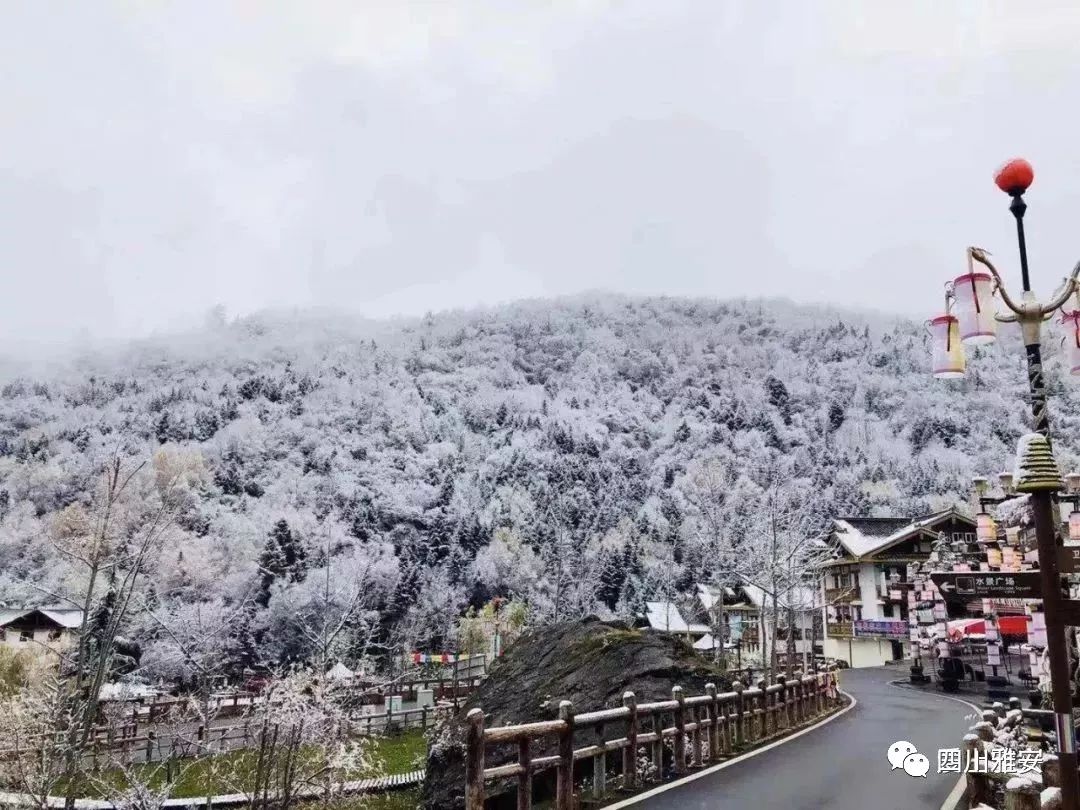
<point x="864" y="587"/>
<point x="39" y="630"/>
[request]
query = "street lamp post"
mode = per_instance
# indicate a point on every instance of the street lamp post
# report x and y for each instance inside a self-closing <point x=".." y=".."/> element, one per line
<point x="971" y="294"/>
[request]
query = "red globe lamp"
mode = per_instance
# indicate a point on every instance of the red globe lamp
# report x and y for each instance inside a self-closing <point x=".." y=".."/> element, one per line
<point x="1015" y="176"/>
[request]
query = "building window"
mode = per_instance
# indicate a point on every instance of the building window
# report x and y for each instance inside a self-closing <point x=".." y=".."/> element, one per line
<point x="54" y="635"/>
<point x="26" y="635"/>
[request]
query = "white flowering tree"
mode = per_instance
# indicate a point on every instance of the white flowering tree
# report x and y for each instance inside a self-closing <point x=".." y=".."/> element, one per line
<point x="108" y="545"/>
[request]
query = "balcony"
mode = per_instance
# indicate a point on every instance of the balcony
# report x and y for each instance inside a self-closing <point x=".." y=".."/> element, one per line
<point x="840" y="629"/>
<point x="846" y="594"/>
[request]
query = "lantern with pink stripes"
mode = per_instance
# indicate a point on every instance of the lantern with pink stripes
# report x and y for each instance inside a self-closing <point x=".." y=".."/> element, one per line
<point x="974" y="296"/>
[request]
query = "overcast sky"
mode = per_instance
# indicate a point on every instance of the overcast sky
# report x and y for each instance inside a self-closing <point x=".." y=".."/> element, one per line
<point x="158" y="158"/>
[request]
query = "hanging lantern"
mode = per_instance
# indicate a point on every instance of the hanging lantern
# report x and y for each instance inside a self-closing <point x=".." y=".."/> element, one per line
<point x="974" y="293"/>
<point x="985" y="528"/>
<point x="948" y="350"/>
<point x="1012" y="535"/>
<point x="1074" y="525"/>
<point x="1071" y="320"/>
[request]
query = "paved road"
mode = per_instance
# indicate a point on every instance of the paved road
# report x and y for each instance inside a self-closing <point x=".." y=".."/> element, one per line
<point x="842" y="765"/>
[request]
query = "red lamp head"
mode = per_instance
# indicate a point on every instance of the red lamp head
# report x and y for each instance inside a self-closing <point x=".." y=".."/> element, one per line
<point x="1015" y="176"/>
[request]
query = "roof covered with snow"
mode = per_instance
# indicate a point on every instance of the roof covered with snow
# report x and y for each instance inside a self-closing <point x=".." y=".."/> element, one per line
<point x="707" y="595"/>
<point x="802" y="597"/>
<point x="862" y="537"/>
<point x="666" y="616"/>
<point x="68" y="618"/>
<point x="339" y="672"/>
<point x="709" y="642"/>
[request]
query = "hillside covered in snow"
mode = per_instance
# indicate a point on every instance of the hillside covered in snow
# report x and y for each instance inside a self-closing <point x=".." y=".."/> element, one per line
<point x="544" y="450"/>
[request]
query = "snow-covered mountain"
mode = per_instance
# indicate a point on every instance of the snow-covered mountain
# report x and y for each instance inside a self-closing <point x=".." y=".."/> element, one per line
<point x="540" y="449"/>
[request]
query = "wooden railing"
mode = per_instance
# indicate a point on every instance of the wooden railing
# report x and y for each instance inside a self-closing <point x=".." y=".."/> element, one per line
<point x="840" y="629"/>
<point x="1019" y="791"/>
<point x="123" y="745"/>
<point x="844" y="594"/>
<point x="443" y="689"/>
<point x="703" y="728"/>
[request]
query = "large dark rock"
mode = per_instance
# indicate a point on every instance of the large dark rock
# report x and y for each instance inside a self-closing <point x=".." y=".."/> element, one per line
<point x="590" y="663"/>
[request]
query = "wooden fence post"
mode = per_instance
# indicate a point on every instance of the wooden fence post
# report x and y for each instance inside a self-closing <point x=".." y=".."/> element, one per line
<point x="564" y="774"/>
<point x="799" y="697"/>
<point x="629" y="756"/>
<point x="680" y="729"/>
<point x="713" y="714"/>
<point x="739" y="732"/>
<point x="763" y="701"/>
<point x="150" y="745"/>
<point x="1021" y="794"/>
<point x="723" y="714"/>
<point x="1051" y="771"/>
<point x="698" y="715"/>
<point x="599" y="772"/>
<point x="750" y="702"/>
<point x="474" y="760"/>
<point x="658" y="745"/>
<point x="524" y="786"/>
<point x="782" y="696"/>
<point x="978" y="785"/>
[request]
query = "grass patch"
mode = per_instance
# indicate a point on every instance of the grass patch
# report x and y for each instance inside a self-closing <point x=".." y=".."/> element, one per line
<point x="234" y="771"/>
<point x="398" y="800"/>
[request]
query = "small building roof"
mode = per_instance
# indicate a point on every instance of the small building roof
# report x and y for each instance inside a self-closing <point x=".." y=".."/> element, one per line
<point x="708" y="642"/>
<point x="67" y="618"/>
<point x="708" y="594"/>
<point x="863" y="537"/>
<point x="666" y="616"/>
<point x="339" y="672"/>
<point x="802" y="597"/>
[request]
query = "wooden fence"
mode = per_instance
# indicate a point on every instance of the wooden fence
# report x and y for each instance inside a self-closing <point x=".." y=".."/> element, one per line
<point x="123" y="745"/>
<point x="1019" y="791"/>
<point x="377" y="784"/>
<point x="704" y="728"/>
<point x="443" y="689"/>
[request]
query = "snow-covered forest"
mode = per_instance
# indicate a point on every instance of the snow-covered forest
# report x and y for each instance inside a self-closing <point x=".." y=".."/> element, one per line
<point x="392" y="474"/>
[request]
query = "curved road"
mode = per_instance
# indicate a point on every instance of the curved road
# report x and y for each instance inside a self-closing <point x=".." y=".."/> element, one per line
<point x="842" y="765"/>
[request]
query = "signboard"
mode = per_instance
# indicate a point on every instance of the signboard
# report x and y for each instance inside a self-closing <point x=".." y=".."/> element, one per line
<point x="1069" y="559"/>
<point x="882" y="628"/>
<point x="997" y="585"/>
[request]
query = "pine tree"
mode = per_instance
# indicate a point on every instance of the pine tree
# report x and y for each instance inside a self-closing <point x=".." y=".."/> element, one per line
<point x="682" y="433"/>
<point x="282" y="556"/>
<point x="612" y="577"/>
<point x="836" y="416"/>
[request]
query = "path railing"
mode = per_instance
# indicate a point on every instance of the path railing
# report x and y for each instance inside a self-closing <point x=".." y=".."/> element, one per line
<point x="702" y="728"/>
<point x="155" y="709"/>
<point x="1019" y="790"/>
<point x="125" y="746"/>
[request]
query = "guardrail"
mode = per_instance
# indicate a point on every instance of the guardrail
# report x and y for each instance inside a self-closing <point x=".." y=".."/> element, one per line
<point x="1040" y="790"/>
<point x="378" y="784"/>
<point x="704" y="728"/>
<point x="109" y="747"/>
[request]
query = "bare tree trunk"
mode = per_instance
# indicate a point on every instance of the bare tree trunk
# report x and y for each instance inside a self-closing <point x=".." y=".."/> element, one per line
<point x="720" y="631"/>
<point x="774" y="617"/>
<point x="790" y="639"/>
